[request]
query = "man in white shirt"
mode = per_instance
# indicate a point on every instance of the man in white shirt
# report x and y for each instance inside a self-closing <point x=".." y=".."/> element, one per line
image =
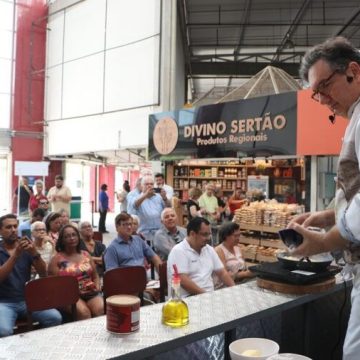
<point x="160" y="184"/>
<point x="196" y="261"/>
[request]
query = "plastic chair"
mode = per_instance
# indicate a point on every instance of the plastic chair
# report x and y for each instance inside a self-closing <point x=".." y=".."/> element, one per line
<point x="51" y="292"/>
<point x="98" y="236"/>
<point x="127" y="280"/>
<point x="163" y="280"/>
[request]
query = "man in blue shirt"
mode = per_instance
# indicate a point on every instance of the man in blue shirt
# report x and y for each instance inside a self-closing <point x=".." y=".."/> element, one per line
<point x="37" y="215"/>
<point x="149" y="206"/>
<point x="16" y="259"/>
<point x="103" y="208"/>
<point x="128" y="249"/>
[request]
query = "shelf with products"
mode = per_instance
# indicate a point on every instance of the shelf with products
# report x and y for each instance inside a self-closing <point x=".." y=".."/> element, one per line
<point x="228" y="176"/>
<point x="260" y="224"/>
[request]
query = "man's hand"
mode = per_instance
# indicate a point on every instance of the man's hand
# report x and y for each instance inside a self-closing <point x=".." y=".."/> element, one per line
<point x="321" y="219"/>
<point x="27" y="245"/>
<point x="313" y="243"/>
<point x="163" y="194"/>
<point x="149" y="193"/>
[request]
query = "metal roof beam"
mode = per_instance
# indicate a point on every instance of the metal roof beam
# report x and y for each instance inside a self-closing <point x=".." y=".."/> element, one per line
<point x="240" y="68"/>
<point x="287" y="38"/>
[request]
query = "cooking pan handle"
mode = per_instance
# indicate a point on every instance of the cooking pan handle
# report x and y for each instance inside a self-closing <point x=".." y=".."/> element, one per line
<point x="303" y="259"/>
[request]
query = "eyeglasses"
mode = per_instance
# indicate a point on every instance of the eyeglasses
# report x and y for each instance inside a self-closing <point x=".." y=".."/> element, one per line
<point x="43" y="202"/>
<point x="320" y="90"/>
<point x="207" y="235"/>
<point x="40" y="229"/>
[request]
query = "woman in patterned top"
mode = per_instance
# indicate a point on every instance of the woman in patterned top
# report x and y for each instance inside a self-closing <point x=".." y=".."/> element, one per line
<point x="230" y="254"/>
<point x="53" y="225"/>
<point x="71" y="261"/>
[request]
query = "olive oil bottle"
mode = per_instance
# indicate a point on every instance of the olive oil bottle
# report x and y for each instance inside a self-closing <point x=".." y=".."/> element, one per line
<point x="175" y="312"/>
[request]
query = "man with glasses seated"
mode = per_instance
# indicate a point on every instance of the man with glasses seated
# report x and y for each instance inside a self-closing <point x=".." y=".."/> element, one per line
<point x="196" y="261"/>
<point x="128" y="249"/>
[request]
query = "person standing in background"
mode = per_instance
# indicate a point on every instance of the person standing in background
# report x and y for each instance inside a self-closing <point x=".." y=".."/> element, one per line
<point x="237" y="200"/>
<point x="160" y="184"/>
<point x="103" y="208"/>
<point x="37" y="196"/>
<point x="24" y="193"/>
<point x="122" y="196"/>
<point x="192" y="204"/>
<point x="132" y="195"/>
<point x="59" y="195"/>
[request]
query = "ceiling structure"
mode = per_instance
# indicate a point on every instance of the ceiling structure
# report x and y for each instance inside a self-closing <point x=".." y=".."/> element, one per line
<point x="270" y="80"/>
<point x="226" y="41"/>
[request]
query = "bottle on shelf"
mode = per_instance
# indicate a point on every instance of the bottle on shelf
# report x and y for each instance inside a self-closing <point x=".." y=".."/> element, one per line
<point x="175" y="312"/>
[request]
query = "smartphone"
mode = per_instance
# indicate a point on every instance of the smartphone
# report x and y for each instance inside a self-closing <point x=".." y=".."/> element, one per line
<point x="26" y="233"/>
<point x="291" y="238"/>
<point x="157" y="190"/>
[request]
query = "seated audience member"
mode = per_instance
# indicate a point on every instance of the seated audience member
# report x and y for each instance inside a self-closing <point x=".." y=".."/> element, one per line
<point x="44" y="204"/>
<point x="37" y="196"/>
<point x="192" y="205"/>
<point x="93" y="247"/>
<point x="71" y="261"/>
<point x="230" y="254"/>
<point x="65" y="218"/>
<point x="135" y="226"/>
<point x="16" y="259"/>
<point x="42" y="241"/>
<point x="53" y="225"/>
<point x="169" y="234"/>
<point x="148" y="206"/>
<point x="37" y="215"/>
<point x="128" y="249"/>
<point x="196" y="261"/>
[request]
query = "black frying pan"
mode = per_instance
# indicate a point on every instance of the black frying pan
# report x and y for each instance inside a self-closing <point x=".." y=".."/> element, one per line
<point x="304" y="263"/>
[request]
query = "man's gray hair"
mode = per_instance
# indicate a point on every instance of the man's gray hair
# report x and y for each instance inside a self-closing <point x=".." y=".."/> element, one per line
<point x="338" y="52"/>
<point x="165" y="210"/>
<point x="35" y="224"/>
<point x="146" y="177"/>
<point x="82" y="223"/>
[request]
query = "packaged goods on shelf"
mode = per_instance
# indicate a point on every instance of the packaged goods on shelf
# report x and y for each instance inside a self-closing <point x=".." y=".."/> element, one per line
<point x="272" y="213"/>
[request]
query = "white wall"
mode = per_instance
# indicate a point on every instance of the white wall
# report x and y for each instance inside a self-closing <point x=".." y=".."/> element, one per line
<point x="102" y="75"/>
<point x="5" y="196"/>
<point x="6" y="54"/>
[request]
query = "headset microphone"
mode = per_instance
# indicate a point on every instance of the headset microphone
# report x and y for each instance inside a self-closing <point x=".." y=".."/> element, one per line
<point x="332" y="118"/>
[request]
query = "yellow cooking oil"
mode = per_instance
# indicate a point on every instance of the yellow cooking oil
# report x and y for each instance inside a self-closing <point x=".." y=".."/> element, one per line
<point x="175" y="312"/>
